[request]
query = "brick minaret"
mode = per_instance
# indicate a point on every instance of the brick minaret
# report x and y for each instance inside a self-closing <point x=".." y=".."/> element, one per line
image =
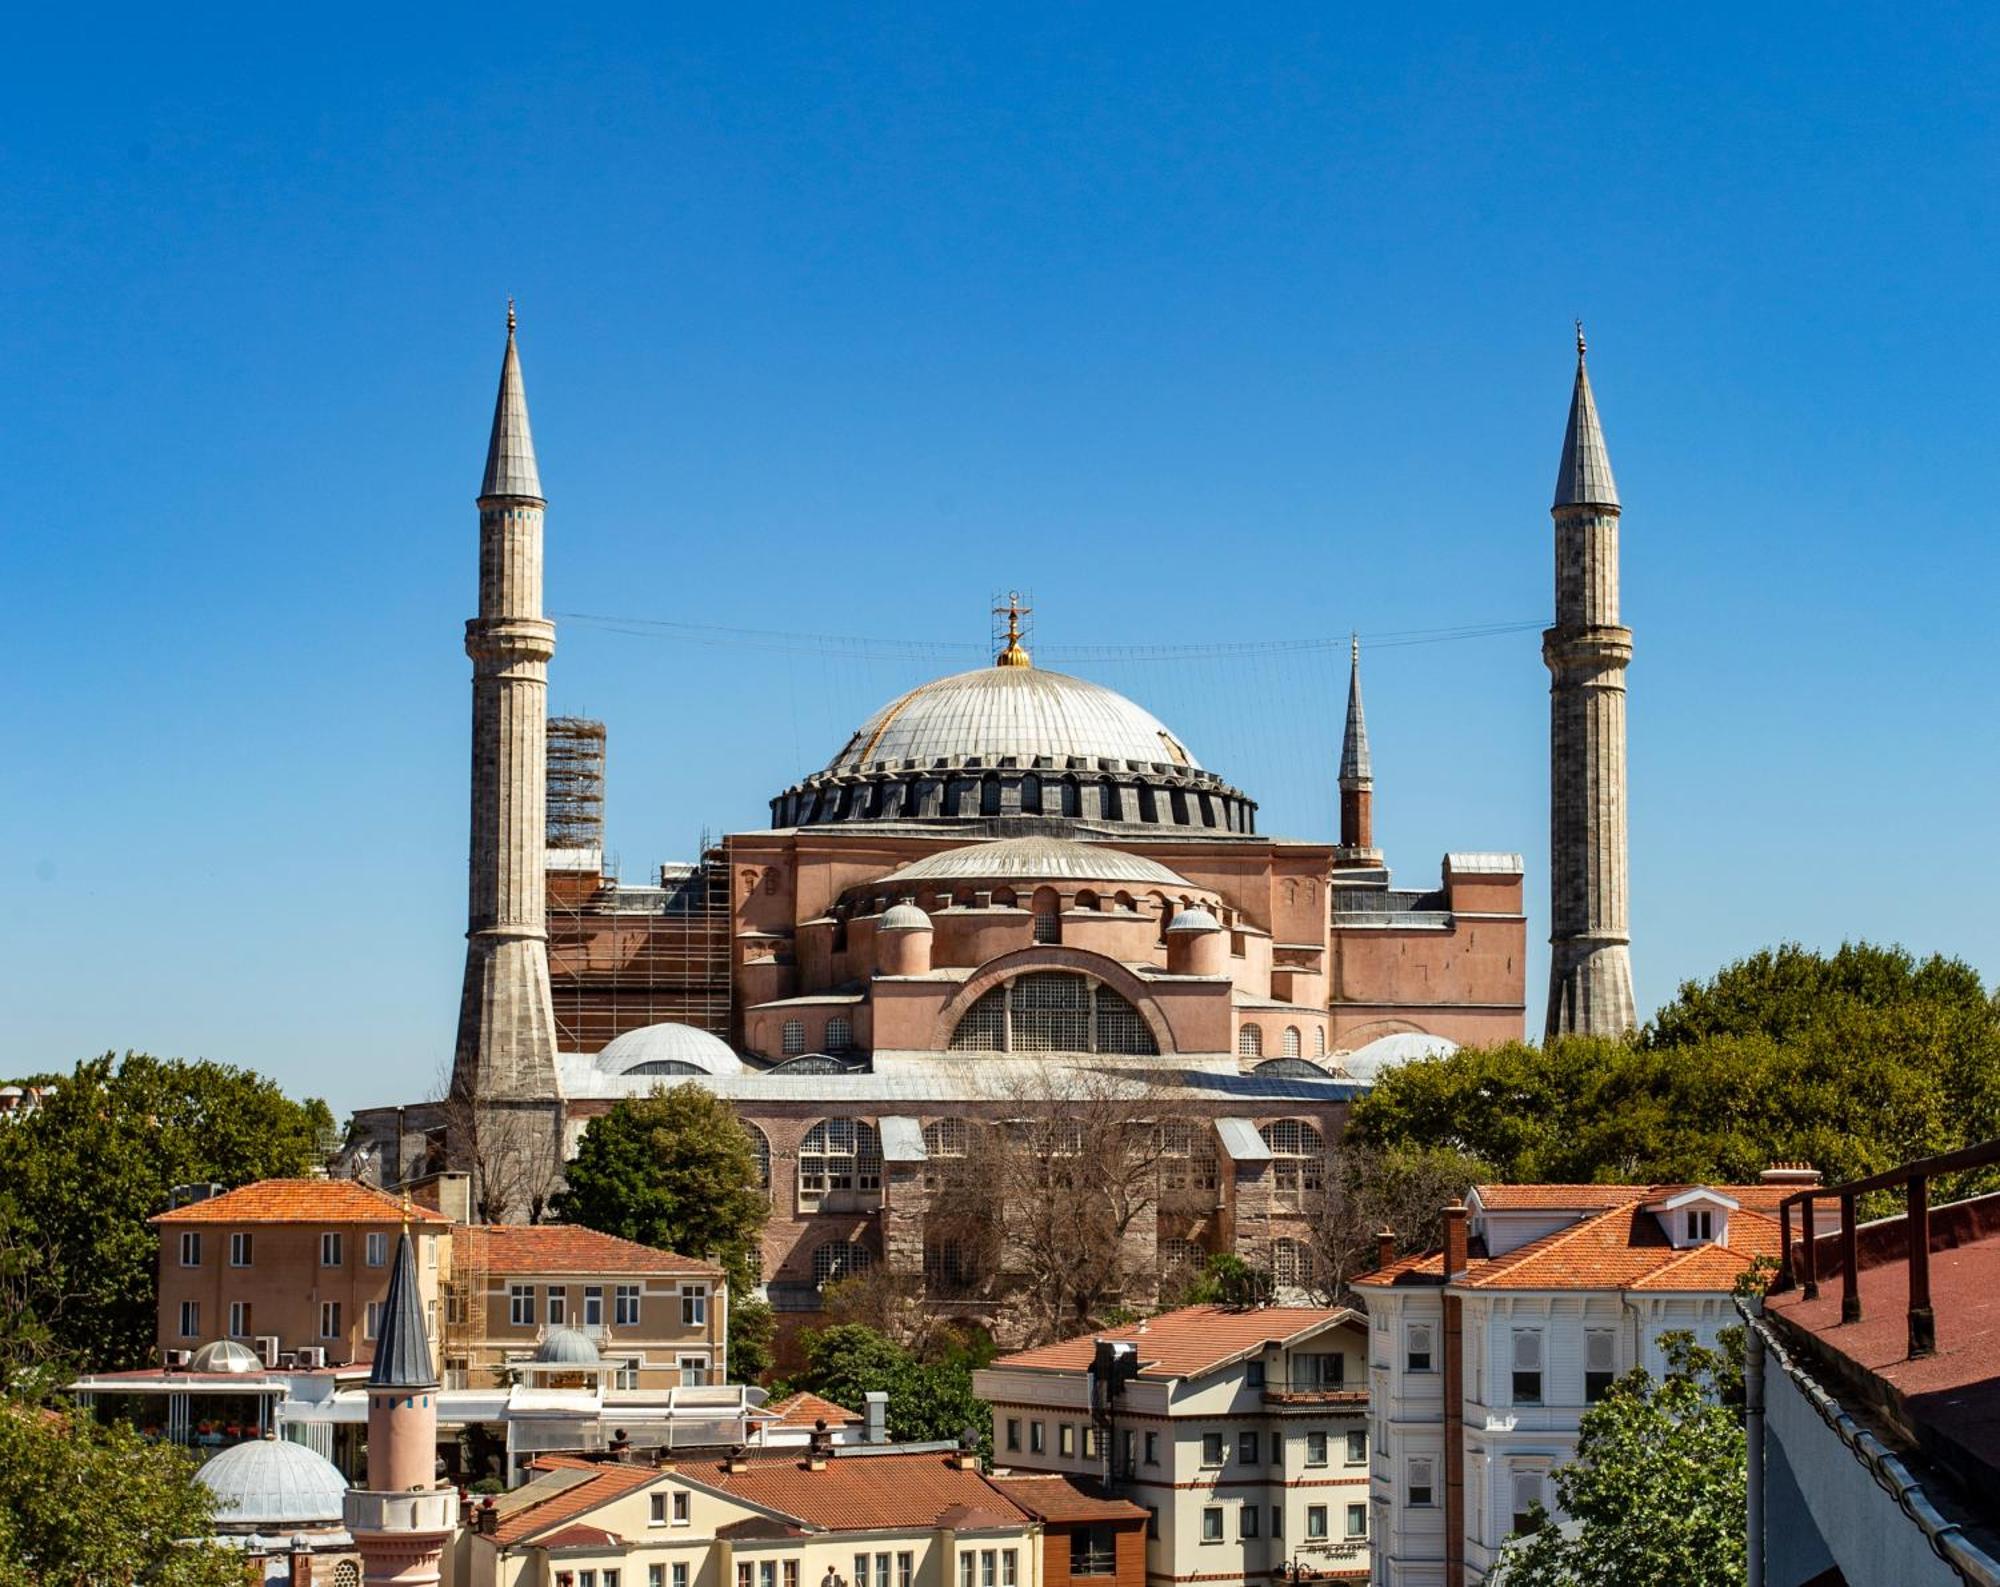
<point x="506" y="1022"/>
<point x="1590" y="963"/>
<point x="402" y="1520"/>
<point x="1357" y="777"/>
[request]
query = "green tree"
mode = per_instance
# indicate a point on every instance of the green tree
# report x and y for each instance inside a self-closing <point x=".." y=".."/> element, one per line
<point x="675" y="1170"/>
<point x="1656" y="1492"/>
<point x="84" y="1172"/>
<point x="753" y="1329"/>
<point x="928" y="1400"/>
<point x="85" y="1504"/>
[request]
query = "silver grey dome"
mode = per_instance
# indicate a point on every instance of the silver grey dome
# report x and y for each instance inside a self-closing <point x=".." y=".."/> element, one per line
<point x="1025" y="712"/>
<point x="904" y="917"/>
<point x="668" y="1044"/>
<point x="1037" y="860"/>
<point x="226" y="1355"/>
<point x="567" y="1347"/>
<point x="1196" y="919"/>
<point x="273" y="1482"/>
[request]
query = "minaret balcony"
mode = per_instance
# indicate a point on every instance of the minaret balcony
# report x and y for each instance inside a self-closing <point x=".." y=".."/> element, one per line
<point x="366" y="1513"/>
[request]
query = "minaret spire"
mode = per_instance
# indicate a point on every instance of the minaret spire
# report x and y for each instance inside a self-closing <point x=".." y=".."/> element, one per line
<point x="1587" y="651"/>
<point x="504" y="1079"/>
<point x="1357" y="774"/>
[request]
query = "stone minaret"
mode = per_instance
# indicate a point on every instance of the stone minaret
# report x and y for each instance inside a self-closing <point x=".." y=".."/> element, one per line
<point x="1357" y="778"/>
<point x="1590" y="963"/>
<point x="402" y="1520"/>
<point x="506" y="1022"/>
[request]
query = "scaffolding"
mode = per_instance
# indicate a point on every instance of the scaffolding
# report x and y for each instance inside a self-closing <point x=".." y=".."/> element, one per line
<point x="576" y="783"/>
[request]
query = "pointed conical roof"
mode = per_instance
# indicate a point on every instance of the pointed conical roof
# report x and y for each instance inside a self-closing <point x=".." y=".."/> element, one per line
<point x="510" y="455"/>
<point x="1584" y="479"/>
<point x="1355" y="767"/>
<point x="402" y="1346"/>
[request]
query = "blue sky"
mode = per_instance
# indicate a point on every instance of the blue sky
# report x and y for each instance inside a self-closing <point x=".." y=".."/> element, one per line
<point x="1208" y="328"/>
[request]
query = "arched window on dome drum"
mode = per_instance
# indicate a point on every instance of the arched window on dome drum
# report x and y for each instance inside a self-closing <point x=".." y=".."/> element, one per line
<point x="1298" y="1161"/>
<point x="989" y="796"/>
<point x="1178" y="801"/>
<point x="1149" y="805"/>
<point x="1250" y="1041"/>
<point x="1003" y="898"/>
<point x="760" y="1149"/>
<point x="792" y="1039"/>
<point x="837" y="1260"/>
<point x="1087" y="900"/>
<point x="839" y="1155"/>
<point x="1110" y="806"/>
<point x="1292" y="1264"/>
<point x="665" y="1066"/>
<point x="1053" y="1011"/>
<point x="1072" y="801"/>
<point x="1047" y="906"/>
<point x="1291" y="1047"/>
<point x="1031" y="795"/>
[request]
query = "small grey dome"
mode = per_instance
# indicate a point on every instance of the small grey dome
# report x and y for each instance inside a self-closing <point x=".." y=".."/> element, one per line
<point x="567" y="1347"/>
<point x="226" y="1355"/>
<point x="1366" y="1064"/>
<point x="904" y="917"/>
<point x="271" y="1483"/>
<point x="1038" y="860"/>
<point x="1196" y="919"/>
<point x="637" y="1051"/>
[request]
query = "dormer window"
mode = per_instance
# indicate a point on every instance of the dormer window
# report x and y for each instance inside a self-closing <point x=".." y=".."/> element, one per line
<point x="1700" y="1224"/>
<point x="1697" y="1215"/>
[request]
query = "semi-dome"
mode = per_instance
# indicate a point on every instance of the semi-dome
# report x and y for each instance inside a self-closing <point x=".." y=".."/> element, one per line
<point x="567" y="1347"/>
<point x="1196" y="919"/>
<point x="1038" y="860"/>
<point x="668" y="1049"/>
<point x="904" y="917"/>
<point x="1367" y="1063"/>
<point x="226" y="1355"/>
<point x="273" y="1482"/>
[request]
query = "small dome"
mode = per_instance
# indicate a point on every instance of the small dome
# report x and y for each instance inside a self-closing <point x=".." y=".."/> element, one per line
<point x="1386" y="1052"/>
<point x="226" y="1355"/>
<point x="1196" y="919"/>
<point x="637" y="1051"/>
<point x="567" y="1347"/>
<point x="904" y="917"/>
<point x="1038" y="860"/>
<point x="273" y="1482"/>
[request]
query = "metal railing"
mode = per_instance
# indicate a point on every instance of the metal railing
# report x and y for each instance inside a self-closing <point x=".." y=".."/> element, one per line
<point x="1914" y="1179"/>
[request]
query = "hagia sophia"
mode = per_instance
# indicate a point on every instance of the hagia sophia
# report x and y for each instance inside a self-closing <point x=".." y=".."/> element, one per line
<point x="1009" y="888"/>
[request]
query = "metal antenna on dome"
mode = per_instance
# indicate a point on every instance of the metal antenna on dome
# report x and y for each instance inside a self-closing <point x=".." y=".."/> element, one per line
<point x="1011" y="651"/>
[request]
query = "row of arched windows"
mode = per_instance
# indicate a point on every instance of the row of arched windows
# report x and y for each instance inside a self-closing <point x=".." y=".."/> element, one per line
<point x="1250" y="1042"/>
<point x="1101" y="799"/>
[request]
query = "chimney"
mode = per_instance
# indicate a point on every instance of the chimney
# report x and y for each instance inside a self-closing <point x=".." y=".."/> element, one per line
<point x="489" y="1518"/>
<point x="1796" y="1175"/>
<point x="875" y="1417"/>
<point x="300" y="1565"/>
<point x="1385" y="1247"/>
<point x="1454" y="1240"/>
<point x="817" y="1446"/>
<point x="739" y="1458"/>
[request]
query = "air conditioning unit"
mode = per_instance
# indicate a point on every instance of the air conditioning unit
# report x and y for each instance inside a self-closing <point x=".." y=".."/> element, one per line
<point x="176" y="1360"/>
<point x="313" y="1358"/>
<point x="289" y="1360"/>
<point x="267" y="1348"/>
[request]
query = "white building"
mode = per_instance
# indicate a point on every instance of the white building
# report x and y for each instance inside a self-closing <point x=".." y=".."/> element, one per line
<point x="1484" y="1357"/>
<point x="1243" y="1432"/>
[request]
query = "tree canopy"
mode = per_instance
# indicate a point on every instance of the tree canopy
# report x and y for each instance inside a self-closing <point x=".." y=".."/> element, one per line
<point x="928" y="1399"/>
<point x="1851" y="1061"/>
<point x="83" y="1173"/>
<point x="1657" y="1491"/>
<point x="83" y="1503"/>
<point x="675" y="1170"/>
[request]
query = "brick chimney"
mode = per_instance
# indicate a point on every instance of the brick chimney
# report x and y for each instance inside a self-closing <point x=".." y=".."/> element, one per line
<point x="1454" y="1240"/>
<point x="1385" y="1247"/>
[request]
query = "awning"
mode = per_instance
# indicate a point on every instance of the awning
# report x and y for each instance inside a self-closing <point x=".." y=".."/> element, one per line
<point x="903" y="1141"/>
<point x="1240" y="1141"/>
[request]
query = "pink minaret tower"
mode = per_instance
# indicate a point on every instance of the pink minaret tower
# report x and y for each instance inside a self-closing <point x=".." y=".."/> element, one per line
<point x="402" y="1520"/>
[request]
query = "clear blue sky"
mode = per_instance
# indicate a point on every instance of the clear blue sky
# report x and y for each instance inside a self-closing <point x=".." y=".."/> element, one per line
<point x="1207" y="324"/>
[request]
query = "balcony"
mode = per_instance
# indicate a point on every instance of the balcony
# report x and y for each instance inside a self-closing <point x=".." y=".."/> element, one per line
<point x="435" y="1510"/>
<point x="1302" y="1395"/>
<point x="1093" y="1562"/>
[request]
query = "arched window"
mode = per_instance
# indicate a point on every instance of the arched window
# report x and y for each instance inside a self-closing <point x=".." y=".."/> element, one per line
<point x="837" y="1260"/>
<point x="1319" y="1041"/>
<point x="1031" y="795"/>
<point x="1302" y="1068"/>
<point x="1053" y="1011"/>
<point x="839" y="1033"/>
<point x="1003" y="898"/>
<point x="989" y="796"/>
<point x="665" y="1066"/>
<point x="1048" y="915"/>
<point x="1087" y="900"/>
<point x="948" y="1267"/>
<point x="1291" y="1047"/>
<point x="347" y="1574"/>
<point x="1292" y="1264"/>
<point x="1250" y="1041"/>
<point x="839" y="1155"/>
<point x="1298" y="1160"/>
<point x="813" y="1063"/>
<point x="947" y="1138"/>
<point x="792" y="1039"/>
<point x="1187" y="1156"/>
<point x="1072" y="800"/>
<point x="760" y="1148"/>
<point x="1180" y="1258"/>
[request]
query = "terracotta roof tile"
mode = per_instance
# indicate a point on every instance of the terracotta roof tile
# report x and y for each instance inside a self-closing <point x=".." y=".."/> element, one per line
<point x="563" y="1248"/>
<point x="531" y="1518"/>
<point x="302" y="1201"/>
<point x="1583" y="1198"/>
<point x="1184" y="1343"/>
<point x="580" y="1537"/>
<point x="1054" y="1497"/>
<point x="860" y="1492"/>
<point x="803" y="1410"/>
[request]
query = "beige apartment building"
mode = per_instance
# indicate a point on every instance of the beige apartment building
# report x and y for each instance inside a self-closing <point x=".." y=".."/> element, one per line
<point x="291" y="1268"/>
<point x="658" y="1320"/>
<point x="1242" y="1431"/>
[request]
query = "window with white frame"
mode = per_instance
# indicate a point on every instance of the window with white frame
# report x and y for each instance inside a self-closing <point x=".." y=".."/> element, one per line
<point x="521" y="1305"/>
<point x="792" y="1038"/>
<point x="190" y="1319"/>
<point x="371" y="1319"/>
<point x="190" y="1248"/>
<point x="1290" y="1045"/>
<point x="1211" y="1449"/>
<point x="1246" y="1520"/>
<point x="906" y="1569"/>
<point x="1600" y="1362"/>
<point x="558" y="1304"/>
<point x="1700" y="1223"/>
<point x="1066" y="1440"/>
<point x="1315" y="1449"/>
<point x="1527" y="1366"/>
<point x="694" y="1372"/>
<point x="1419" y="1481"/>
<point x="329" y="1319"/>
<point x="1318" y="1371"/>
<point x="1211" y="1524"/>
<point x="839" y="1155"/>
<point x="625" y="1306"/>
<point x="1298" y="1161"/>
<point x="1247" y="1448"/>
<point x="682" y="1512"/>
<point x="329" y="1248"/>
<point x="1417" y="1348"/>
<point x="1357" y="1448"/>
<point x="694" y="1305"/>
<point x="1527" y="1499"/>
<point x="240" y="1248"/>
<point x="680" y="1573"/>
<point x="1357" y="1520"/>
<point x="1315" y="1522"/>
<point x="239" y="1319"/>
<point x="375" y="1249"/>
<point x="1037" y="1438"/>
<point x="593" y="1306"/>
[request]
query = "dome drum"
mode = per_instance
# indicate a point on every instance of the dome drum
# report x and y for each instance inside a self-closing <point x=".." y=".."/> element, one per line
<point x="1154" y="796"/>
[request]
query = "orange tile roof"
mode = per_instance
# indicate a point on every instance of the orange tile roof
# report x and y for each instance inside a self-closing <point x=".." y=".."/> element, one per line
<point x="863" y="1492"/>
<point x="803" y="1410"/>
<point x="1184" y="1343"/>
<point x="302" y="1201"/>
<point x="579" y="1537"/>
<point x="563" y="1248"/>
<point x="532" y="1517"/>
<point x="1581" y="1198"/>
<point x="1050" y="1496"/>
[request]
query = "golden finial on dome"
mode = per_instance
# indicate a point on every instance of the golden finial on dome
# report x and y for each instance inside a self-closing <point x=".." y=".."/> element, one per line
<point x="1013" y="654"/>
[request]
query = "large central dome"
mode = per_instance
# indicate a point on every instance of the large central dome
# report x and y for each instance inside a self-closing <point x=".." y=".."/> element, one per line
<point x="1010" y="741"/>
<point x="993" y="713"/>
